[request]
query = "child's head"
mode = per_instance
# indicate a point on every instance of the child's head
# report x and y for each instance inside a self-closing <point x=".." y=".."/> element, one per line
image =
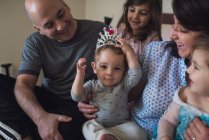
<point x="109" y="65"/>
<point x="142" y="17"/>
<point x="199" y="68"/>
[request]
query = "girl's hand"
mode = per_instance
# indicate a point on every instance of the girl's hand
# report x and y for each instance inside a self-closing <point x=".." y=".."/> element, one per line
<point x="126" y="48"/>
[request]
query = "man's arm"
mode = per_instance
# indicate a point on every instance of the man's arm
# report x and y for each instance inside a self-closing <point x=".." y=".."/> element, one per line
<point x="47" y="123"/>
<point x="26" y="98"/>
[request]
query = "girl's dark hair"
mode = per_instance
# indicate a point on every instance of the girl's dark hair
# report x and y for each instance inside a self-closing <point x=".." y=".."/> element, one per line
<point x="192" y="14"/>
<point x="155" y="21"/>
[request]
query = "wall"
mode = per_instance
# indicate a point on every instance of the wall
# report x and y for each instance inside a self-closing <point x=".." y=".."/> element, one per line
<point x="97" y="9"/>
<point x="15" y="27"/>
<point x="166" y="28"/>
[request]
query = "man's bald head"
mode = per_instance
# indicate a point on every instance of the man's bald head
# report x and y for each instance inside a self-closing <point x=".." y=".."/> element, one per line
<point x="37" y="6"/>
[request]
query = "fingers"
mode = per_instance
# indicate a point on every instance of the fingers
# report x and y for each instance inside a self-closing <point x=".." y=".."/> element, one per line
<point x="121" y="42"/>
<point x="199" y="125"/>
<point x="54" y="136"/>
<point x="63" y="118"/>
<point x="81" y="63"/>
<point x="189" y="134"/>
<point x="58" y="136"/>
<point x="194" y="129"/>
<point x="87" y="110"/>
<point x="89" y="116"/>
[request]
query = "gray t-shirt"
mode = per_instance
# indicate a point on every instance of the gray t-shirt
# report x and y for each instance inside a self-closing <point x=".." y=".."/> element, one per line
<point x="58" y="60"/>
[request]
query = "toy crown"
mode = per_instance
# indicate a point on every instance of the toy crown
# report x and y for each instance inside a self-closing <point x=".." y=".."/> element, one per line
<point x="108" y="38"/>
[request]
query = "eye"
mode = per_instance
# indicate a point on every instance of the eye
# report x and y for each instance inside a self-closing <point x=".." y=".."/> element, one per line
<point x="131" y="9"/>
<point x="103" y="67"/>
<point x="195" y="67"/>
<point x="117" y="68"/>
<point x="61" y="14"/>
<point x="144" y="13"/>
<point x="183" y="29"/>
<point x="48" y="25"/>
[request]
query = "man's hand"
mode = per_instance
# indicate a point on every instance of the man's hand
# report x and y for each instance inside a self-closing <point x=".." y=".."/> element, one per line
<point x="87" y="110"/>
<point x="48" y="126"/>
<point x="197" y="130"/>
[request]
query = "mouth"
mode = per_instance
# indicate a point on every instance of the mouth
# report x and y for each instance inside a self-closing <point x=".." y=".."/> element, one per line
<point x="180" y="46"/>
<point x="66" y="29"/>
<point x="135" y="23"/>
<point x="190" y="82"/>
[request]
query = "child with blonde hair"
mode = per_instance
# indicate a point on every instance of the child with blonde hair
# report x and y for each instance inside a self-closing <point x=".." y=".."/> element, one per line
<point x="191" y="101"/>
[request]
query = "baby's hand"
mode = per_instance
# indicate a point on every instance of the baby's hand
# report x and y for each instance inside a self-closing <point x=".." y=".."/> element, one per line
<point x="81" y="67"/>
<point x="126" y="48"/>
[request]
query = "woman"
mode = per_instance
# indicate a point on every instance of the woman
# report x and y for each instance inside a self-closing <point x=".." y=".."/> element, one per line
<point x="164" y="68"/>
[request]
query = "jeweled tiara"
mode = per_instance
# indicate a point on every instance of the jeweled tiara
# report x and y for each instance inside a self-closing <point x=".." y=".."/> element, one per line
<point x="109" y="37"/>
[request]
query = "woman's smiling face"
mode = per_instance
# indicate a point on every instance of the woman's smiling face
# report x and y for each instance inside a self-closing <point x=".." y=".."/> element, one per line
<point x="184" y="38"/>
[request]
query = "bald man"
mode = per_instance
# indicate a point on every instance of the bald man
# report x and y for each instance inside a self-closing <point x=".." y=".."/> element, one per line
<point x="59" y="42"/>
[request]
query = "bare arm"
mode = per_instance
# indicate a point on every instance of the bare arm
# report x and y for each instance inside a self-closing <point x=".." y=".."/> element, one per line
<point x="47" y="123"/>
<point x="130" y="55"/>
<point x="77" y="87"/>
<point x="168" y="122"/>
<point x="26" y="98"/>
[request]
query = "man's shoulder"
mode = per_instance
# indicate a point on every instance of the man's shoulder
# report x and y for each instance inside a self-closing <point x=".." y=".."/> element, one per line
<point x="91" y="24"/>
<point x="35" y="36"/>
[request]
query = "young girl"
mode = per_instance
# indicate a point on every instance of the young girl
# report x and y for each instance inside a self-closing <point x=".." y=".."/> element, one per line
<point x="191" y="101"/>
<point x="109" y="92"/>
<point x="140" y="23"/>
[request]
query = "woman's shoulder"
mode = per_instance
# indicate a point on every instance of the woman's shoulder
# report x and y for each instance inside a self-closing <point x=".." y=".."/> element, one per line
<point x="153" y="36"/>
<point x="157" y="46"/>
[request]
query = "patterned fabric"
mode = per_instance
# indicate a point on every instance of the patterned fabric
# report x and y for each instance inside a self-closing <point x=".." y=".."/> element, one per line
<point x="8" y="133"/>
<point x="163" y="73"/>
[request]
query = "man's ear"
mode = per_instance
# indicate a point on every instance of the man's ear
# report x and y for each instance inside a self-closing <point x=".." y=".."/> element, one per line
<point x="37" y="28"/>
<point x="93" y="65"/>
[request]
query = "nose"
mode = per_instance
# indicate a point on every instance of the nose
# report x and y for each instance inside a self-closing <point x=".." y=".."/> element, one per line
<point x="136" y="15"/>
<point x="173" y="35"/>
<point x="109" y="71"/>
<point x="189" y="69"/>
<point x="60" y="25"/>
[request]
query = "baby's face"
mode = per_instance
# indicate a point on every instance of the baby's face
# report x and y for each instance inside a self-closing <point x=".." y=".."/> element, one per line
<point x="199" y="72"/>
<point x="110" y="68"/>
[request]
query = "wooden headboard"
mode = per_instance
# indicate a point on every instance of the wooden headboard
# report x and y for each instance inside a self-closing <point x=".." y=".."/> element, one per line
<point x="167" y="18"/>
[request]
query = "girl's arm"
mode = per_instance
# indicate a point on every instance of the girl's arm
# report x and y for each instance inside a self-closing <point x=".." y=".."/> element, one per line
<point x="77" y="87"/>
<point x="168" y="122"/>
